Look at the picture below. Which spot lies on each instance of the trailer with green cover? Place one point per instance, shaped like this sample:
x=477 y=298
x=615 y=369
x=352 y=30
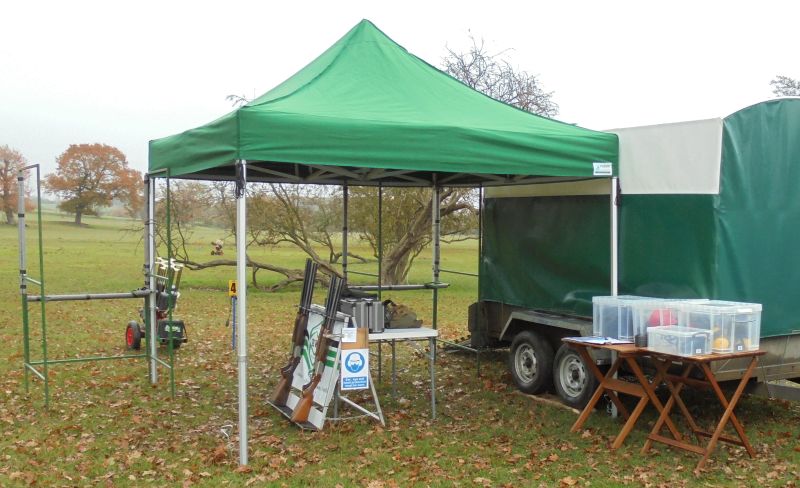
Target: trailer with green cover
x=707 y=209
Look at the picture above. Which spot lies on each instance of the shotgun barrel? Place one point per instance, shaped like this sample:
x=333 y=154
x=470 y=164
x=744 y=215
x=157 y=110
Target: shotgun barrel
x=303 y=407
x=281 y=393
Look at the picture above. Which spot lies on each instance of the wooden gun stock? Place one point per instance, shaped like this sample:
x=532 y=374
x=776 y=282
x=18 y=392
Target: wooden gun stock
x=281 y=393
x=303 y=407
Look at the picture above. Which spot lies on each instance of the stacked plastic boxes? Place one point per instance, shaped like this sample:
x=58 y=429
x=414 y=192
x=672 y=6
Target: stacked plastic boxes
x=653 y=312
x=680 y=341
x=613 y=316
x=733 y=326
x=684 y=327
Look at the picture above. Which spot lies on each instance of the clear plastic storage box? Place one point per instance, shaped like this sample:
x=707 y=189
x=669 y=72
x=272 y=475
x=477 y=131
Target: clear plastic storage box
x=613 y=317
x=653 y=312
x=734 y=326
x=680 y=341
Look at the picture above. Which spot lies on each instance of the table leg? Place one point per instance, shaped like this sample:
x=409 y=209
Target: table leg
x=664 y=411
x=598 y=393
x=628 y=427
x=380 y=362
x=729 y=407
x=589 y=361
x=394 y=372
x=432 y=358
x=675 y=392
x=649 y=388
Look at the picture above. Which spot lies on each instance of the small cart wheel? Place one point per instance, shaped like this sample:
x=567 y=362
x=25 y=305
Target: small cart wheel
x=133 y=336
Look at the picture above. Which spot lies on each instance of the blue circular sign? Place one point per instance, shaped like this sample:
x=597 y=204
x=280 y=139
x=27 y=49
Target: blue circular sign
x=354 y=362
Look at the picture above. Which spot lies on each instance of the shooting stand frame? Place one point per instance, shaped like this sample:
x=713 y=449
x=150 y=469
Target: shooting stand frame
x=148 y=292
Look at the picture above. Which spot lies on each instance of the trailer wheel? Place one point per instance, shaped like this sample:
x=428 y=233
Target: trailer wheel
x=133 y=336
x=573 y=380
x=530 y=361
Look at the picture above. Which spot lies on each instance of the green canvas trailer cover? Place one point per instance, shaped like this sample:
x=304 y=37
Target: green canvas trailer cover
x=707 y=209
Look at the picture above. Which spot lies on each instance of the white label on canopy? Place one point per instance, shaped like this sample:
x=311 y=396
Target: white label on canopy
x=602 y=168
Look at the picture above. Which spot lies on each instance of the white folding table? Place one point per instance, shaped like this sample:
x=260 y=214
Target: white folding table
x=413 y=334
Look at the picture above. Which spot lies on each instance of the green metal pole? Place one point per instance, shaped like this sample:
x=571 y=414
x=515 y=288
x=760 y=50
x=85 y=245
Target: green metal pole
x=23 y=284
x=170 y=298
x=380 y=241
x=25 y=340
x=147 y=272
x=42 y=288
x=89 y=359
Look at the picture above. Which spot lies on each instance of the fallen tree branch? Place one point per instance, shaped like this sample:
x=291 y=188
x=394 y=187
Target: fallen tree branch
x=292 y=275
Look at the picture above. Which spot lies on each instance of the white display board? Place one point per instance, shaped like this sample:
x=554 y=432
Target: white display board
x=324 y=392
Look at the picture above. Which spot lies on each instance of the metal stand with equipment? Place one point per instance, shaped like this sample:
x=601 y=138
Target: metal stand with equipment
x=159 y=293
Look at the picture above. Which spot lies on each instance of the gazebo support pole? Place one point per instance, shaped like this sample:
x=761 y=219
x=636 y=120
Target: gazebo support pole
x=344 y=231
x=241 y=303
x=436 y=219
x=614 y=257
x=150 y=257
x=380 y=249
x=480 y=239
x=614 y=235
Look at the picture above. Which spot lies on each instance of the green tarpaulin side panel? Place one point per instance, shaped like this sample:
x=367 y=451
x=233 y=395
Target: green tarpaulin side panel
x=367 y=102
x=667 y=246
x=548 y=253
x=759 y=212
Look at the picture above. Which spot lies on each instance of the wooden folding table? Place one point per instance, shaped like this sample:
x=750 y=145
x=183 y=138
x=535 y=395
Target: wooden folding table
x=675 y=383
x=624 y=354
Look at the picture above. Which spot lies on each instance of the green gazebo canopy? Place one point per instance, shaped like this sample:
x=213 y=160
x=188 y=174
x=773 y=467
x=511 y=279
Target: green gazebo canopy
x=368 y=111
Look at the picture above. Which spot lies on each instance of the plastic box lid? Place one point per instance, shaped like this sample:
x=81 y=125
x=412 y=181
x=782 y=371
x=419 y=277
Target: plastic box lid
x=721 y=306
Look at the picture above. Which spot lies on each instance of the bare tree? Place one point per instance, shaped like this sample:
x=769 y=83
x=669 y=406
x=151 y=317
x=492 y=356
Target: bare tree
x=494 y=76
x=406 y=229
x=783 y=86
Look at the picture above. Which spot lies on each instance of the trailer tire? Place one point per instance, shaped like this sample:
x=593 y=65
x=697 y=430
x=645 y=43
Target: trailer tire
x=133 y=336
x=530 y=361
x=573 y=380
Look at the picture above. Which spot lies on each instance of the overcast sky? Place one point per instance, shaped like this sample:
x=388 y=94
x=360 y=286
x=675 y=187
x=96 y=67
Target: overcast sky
x=123 y=73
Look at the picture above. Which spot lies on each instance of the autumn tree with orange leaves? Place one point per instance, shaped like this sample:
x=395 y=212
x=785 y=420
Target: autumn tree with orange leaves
x=11 y=161
x=90 y=176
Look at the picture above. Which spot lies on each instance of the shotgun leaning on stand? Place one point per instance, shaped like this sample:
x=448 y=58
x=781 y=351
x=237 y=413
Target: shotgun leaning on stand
x=281 y=393
x=303 y=407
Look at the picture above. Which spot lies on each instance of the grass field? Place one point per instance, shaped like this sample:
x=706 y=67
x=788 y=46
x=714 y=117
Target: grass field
x=107 y=426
